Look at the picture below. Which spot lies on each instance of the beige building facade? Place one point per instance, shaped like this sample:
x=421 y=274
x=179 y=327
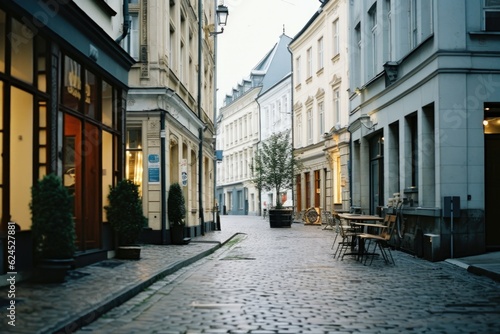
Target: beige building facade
x=320 y=110
x=170 y=110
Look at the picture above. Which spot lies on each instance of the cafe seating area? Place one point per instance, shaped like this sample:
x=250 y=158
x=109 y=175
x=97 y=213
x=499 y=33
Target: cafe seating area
x=359 y=236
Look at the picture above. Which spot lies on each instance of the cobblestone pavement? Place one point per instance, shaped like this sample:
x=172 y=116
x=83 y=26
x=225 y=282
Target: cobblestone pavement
x=286 y=281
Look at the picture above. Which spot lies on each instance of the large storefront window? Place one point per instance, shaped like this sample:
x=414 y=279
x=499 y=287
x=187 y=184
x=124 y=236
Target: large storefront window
x=134 y=156
x=21 y=52
x=89 y=151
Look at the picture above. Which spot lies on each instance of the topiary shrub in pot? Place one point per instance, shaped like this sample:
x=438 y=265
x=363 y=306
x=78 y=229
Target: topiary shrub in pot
x=52 y=228
x=124 y=214
x=176 y=210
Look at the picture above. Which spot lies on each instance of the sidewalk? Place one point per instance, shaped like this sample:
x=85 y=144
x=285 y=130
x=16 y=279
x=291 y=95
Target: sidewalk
x=93 y=290
x=487 y=264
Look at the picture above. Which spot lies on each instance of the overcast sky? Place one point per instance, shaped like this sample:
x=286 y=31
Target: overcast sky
x=253 y=28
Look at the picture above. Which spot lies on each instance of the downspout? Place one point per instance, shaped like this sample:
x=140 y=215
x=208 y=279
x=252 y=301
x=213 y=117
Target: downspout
x=293 y=130
x=163 y=180
x=200 y=130
x=215 y=207
x=349 y=168
x=259 y=126
x=126 y=22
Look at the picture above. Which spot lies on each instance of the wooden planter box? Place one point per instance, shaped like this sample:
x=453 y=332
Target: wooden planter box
x=280 y=217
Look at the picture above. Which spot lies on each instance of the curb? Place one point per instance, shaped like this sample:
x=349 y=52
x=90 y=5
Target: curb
x=86 y=317
x=484 y=272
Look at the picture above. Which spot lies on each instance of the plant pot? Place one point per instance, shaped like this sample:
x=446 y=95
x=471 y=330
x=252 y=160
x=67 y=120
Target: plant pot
x=132 y=252
x=177 y=234
x=52 y=270
x=280 y=217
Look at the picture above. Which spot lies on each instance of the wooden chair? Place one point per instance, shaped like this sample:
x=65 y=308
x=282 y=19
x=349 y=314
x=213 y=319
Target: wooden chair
x=381 y=240
x=348 y=235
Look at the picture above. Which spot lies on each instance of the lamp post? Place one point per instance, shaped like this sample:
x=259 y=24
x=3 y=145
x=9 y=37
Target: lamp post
x=222 y=13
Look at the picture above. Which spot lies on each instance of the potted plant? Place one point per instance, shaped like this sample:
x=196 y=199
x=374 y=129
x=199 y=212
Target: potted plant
x=124 y=214
x=273 y=168
x=52 y=228
x=176 y=210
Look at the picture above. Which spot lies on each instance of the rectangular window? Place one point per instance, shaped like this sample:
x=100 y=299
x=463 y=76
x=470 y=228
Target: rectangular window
x=492 y=15
x=299 y=135
x=336 y=106
x=72 y=87
x=309 y=62
x=373 y=23
x=336 y=38
x=321 y=119
x=132 y=39
x=413 y=24
x=21 y=52
x=309 y=126
x=320 y=53
x=298 y=72
x=134 y=156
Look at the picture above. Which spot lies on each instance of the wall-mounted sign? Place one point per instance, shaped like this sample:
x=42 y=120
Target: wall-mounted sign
x=153 y=169
x=184 y=173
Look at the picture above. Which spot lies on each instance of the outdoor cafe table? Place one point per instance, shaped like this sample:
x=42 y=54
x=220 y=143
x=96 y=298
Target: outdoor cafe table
x=363 y=221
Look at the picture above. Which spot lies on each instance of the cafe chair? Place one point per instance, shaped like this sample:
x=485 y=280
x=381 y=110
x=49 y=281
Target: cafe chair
x=380 y=240
x=348 y=241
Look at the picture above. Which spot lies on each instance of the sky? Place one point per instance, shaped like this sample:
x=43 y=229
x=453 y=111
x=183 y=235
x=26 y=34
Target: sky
x=253 y=28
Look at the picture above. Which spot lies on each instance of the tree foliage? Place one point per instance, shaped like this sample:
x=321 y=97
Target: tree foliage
x=124 y=212
x=176 y=207
x=52 y=227
x=274 y=165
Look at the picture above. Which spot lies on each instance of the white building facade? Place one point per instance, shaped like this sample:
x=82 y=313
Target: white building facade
x=239 y=129
x=320 y=110
x=425 y=93
x=276 y=117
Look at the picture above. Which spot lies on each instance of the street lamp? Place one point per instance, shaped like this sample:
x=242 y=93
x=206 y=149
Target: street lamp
x=222 y=13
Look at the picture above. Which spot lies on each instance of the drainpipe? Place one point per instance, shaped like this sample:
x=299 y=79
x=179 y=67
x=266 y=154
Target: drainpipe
x=163 y=180
x=200 y=130
x=291 y=124
x=349 y=168
x=259 y=126
x=126 y=22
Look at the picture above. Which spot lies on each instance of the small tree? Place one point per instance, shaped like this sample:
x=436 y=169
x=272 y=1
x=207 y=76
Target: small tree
x=176 y=207
x=274 y=165
x=124 y=212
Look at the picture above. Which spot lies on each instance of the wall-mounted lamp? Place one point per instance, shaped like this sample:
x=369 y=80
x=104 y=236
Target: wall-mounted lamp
x=357 y=91
x=222 y=13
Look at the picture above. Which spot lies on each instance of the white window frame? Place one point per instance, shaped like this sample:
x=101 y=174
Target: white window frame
x=131 y=43
x=321 y=119
x=320 y=53
x=309 y=63
x=336 y=38
x=309 y=126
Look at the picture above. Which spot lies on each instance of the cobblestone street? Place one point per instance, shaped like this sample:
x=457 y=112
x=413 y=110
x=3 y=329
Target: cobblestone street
x=286 y=281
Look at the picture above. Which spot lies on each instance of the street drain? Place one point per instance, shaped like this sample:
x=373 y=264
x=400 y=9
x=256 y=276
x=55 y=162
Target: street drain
x=214 y=305
x=232 y=258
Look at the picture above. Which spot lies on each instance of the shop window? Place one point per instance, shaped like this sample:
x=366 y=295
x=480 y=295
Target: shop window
x=41 y=63
x=90 y=95
x=21 y=52
x=71 y=91
x=107 y=104
x=21 y=168
x=134 y=156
